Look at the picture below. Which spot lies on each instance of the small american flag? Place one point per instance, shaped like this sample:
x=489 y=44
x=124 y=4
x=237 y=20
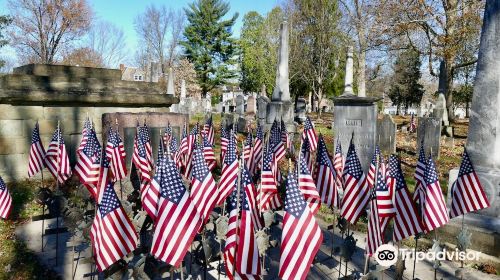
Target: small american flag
x=308 y=187
x=435 y=211
x=89 y=162
x=268 y=194
x=204 y=191
x=467 y=194
x=224 y=139
x=191 y=141
x=113 y=235
x=175 y=153
x=37 y=153
x=277 y=143
x=306 y=152
x=5 y=200
x=167 y=135
x=183 y=148
x=257 y=152
x=142 y=156
x=229 y=174
x=324 y=176
x=297 y=250
x=370 y=177
x=208 y=130
x=115 y=152
x=406 y=221
x=150 y=193
x=178 y=220
x=338 y=165
x=357 y=191
x=385 y=194
x=209 y=154
x=310 y=132
x=374 y=235
x=413 y=124
x=419 y=193
x=285 y=138
x=56 y=158
x=87 y=125
x=247 y=150
x=247 y=257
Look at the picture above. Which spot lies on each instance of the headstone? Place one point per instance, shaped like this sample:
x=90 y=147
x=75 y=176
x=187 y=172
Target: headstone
x=429 y=128
x=183 y=89
x=358 y=115
x=240 y=105
x=170 y=85
x=483 y=139
x=262 y=102
x=309 y=103
x=282 y=89
x=349 y=72
x=251 y=105
x=300 y=109
x=386 y=134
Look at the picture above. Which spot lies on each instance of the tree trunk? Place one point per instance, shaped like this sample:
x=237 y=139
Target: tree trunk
x=449 y=90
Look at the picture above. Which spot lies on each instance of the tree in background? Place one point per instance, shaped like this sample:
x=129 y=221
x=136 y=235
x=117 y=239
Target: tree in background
x=184 y=70
x=4 y=22
x=208 y=43
x=42 y=28
x=84 y=56
x=108 y=41
x=406 y=89
x=159 y=31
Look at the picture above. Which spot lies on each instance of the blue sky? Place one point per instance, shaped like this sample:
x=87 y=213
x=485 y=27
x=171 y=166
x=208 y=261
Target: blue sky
x=123 y=12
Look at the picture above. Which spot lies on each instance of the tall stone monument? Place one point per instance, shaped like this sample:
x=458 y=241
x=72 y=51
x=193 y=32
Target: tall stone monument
x=483 y=140
x=358 y=115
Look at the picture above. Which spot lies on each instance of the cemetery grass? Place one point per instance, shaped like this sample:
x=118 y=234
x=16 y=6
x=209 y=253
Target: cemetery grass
x=16 y=260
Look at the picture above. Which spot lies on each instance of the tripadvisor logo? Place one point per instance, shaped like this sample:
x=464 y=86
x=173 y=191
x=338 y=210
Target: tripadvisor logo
x=387 y=255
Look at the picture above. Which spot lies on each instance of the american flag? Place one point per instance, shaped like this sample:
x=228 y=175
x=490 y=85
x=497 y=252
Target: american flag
x=115 y=152
x=370 y=177
x=467 y=194
x=356 y=189
x=89 y=162
x=113 y=235
x=419 y=193
x=229 y=174
x=175 y=153
x=37 y=153
x=208 y=129
x=224 y=139
x=301 y=236
x=5 y=200
x=150 y=193
x=247 y=257
x=142 y=156
x=257 y=152
x=191 y=141
x=167 y=135
x=306 y=152
x=87 y=125
x=413 y=124
x=310 y=132
x=204 y=191
x=385 y=194
x=247 y=150
x=338 y=165
x=209 y=154
x=285 y=138
x=277 y=143
x=183 y=148
x=435 y=211
x=56 y=158
x=374 y=235
x=268 y=194
x=178 y=220
x=324 y=176
x=406 y=221
x=308 y=187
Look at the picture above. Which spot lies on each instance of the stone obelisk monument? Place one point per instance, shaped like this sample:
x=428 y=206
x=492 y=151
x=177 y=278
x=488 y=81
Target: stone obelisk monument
x=483 y=140
x=355 y=114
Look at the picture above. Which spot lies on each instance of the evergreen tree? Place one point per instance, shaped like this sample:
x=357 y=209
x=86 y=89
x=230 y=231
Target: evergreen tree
x=4 y=21
x=208 y=43
x=405 y=89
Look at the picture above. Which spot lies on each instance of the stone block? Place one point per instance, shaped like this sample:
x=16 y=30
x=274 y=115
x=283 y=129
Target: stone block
x=386 y=134
x=68 y=71
x=10 y=112
x=429 y=129
x=12 y=128
x=14 y=145
x=66 y=113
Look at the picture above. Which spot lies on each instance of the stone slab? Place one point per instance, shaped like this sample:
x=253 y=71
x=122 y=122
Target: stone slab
x=65 y=70
x=10 y=112
x=429 y=128
x=11 y=128
x=386 y=134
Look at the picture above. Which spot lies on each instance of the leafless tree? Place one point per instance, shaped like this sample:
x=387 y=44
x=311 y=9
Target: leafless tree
x=40 y=28
x=108 y=40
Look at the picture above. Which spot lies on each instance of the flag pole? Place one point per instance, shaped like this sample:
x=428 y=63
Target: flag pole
x=59 y=135
x=238 y=189
x=367 y=257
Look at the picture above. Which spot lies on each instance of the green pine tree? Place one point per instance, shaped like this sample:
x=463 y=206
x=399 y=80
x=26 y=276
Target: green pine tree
x=4 y=21
x=208 y=43
x=405 y=89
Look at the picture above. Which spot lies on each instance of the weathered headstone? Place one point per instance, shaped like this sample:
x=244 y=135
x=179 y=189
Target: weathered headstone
x=300 y=109
x=170 y=84
x=429 y=128
x=240 y=105
x=262 y=102
x=251 y=105
x=358 y=115
x=282 y=89
x=386 y=134
x=483 y=139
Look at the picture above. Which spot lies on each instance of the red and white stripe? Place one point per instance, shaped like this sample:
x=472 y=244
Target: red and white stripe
x=56 y=158
x=308 y=187
x=37 y=154
x=5 y=200
x=374 y=235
